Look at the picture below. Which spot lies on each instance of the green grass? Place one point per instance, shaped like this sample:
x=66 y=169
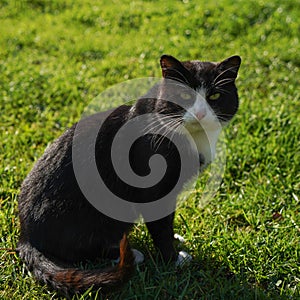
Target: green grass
x=56 y=56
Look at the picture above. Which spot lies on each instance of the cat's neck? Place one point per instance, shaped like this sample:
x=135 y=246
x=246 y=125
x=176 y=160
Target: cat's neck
x=206 y=142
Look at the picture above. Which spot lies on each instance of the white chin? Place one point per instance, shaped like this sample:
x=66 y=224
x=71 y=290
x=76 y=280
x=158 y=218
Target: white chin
x=193 y=126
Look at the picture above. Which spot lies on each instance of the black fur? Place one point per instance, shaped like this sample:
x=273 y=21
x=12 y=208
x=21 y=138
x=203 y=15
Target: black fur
x=59 y=227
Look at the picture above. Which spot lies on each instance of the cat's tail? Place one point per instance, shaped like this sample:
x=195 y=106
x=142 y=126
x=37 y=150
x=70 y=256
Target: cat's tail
x=69 y=281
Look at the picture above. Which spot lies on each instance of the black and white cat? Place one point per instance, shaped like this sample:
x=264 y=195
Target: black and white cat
x=59 y=226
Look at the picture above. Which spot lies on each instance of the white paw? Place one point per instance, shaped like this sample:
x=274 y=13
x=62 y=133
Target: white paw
x=179 y=238
x=116 y=261
x=138 y=256
x=183 y=258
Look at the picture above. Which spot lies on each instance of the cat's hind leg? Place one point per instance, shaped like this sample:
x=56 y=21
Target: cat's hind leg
x=138 y=257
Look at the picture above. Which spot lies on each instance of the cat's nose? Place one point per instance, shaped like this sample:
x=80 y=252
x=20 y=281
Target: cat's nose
x=200 y=114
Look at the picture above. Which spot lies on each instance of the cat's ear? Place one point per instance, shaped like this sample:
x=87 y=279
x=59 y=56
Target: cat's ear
x=172 y=68
x=230 y=66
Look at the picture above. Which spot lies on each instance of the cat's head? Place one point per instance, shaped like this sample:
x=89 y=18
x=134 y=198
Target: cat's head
x=201 y=92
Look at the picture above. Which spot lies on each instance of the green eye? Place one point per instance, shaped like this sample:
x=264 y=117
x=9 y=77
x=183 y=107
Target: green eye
x=185 y=96
x=214 y=96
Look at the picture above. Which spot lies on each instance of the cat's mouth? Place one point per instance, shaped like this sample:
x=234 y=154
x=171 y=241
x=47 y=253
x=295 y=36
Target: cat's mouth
x=192 y=122
x=201 y=121
x=193 y=126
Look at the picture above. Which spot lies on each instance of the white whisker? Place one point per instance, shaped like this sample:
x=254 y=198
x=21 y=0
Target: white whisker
x=171 y=127
x=224 y=81
x=178 y=79
x=227 y=70
x=159 y=121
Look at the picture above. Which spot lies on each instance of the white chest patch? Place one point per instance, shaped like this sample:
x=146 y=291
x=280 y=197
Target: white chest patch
x=204 y=127
x=206 y=142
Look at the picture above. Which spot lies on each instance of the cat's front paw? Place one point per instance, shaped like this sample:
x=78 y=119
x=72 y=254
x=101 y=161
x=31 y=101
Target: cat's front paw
x=179 y=238
x=183 y=258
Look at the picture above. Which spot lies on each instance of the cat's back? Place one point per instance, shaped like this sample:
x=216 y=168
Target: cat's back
x=51 y=185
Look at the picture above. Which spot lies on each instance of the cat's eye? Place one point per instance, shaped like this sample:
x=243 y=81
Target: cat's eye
x=185 y=96
x=214 y=96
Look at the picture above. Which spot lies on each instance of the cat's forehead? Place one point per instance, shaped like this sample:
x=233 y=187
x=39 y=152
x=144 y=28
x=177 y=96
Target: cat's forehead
x=199 y=66
x=202 y=72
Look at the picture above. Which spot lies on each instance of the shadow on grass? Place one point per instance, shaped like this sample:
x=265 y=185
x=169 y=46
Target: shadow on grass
x=201 y=279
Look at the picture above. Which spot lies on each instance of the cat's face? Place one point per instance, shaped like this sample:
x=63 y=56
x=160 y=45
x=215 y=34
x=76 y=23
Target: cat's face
x=204 y=91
